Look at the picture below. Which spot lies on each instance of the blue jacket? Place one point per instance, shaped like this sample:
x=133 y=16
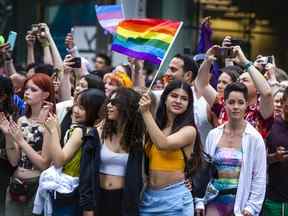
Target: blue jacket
x=89 y=185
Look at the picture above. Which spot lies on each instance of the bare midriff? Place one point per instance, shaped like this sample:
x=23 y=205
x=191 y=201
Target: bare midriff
x=110 y=182
x=23 y=173
x=160 y=179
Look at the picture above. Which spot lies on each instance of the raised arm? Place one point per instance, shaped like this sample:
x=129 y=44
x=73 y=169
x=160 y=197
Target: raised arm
x=262 y=86
x=71 y=47
x=65 y=84
x=30 y=41
x=61 y=156
x=185 y=136
x=137 y=73
x=6 y=54
x=42 y=37
x=57 y=60
x=202 y=79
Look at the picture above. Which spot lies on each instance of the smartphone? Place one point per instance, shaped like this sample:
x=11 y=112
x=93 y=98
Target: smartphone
x=271 y=59
x=12 y=39
x=236 y=42
x=77 y=62
x=224 y=52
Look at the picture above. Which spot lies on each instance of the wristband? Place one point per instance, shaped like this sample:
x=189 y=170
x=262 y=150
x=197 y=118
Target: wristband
x=45 y=44
x=248 y=65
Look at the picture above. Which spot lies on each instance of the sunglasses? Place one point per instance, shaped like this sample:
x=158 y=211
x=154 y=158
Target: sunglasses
x=114 y=101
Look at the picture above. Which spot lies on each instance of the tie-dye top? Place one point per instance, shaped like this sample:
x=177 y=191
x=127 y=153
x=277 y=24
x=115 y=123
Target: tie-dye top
x=228 y=163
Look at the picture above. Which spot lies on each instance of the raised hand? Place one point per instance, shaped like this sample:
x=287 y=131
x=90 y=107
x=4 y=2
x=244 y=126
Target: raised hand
x=68 y=63
x=226 y=41
x=44 y=112
x=240 y=57
x=212 y=52
x=4 y=123
x=30 y=39
x=16 y=133
x=5 y=51
x=69 y=41
x=43 y=33
x=51 y=123
x=206 y=21
x=145 y=103
x=270 y=73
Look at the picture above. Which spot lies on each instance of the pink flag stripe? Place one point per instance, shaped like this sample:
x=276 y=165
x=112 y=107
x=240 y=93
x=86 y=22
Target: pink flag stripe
x=111 y=29
x=110 y=15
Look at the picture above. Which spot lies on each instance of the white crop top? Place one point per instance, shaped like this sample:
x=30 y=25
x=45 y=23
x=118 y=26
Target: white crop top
x=112 y=163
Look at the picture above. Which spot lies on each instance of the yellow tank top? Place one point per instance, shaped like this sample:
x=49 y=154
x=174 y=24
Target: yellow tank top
x=72 y=168
x=165 y=160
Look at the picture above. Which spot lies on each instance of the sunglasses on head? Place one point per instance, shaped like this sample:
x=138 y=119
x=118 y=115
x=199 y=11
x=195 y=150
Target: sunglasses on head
x=114 y=101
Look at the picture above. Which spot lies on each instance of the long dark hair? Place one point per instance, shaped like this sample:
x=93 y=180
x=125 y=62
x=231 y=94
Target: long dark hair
x=131 y=120
x=184 y=119
x=6 y=92
x=92 y=101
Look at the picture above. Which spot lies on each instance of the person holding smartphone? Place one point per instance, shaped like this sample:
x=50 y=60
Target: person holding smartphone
x=276 y=202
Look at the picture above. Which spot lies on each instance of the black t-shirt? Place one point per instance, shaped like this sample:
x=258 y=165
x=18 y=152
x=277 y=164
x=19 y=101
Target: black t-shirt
x=277 y=189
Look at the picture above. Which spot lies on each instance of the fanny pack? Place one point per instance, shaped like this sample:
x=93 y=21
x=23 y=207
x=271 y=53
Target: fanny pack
x=22 y=190
x=62 y=199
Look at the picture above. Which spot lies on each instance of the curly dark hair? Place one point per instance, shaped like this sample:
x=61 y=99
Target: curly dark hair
x=184 y=119
x=130 y=120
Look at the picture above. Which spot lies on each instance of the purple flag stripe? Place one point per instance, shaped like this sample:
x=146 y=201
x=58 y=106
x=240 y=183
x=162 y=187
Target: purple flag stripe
x=139 y=55
x=111 y=29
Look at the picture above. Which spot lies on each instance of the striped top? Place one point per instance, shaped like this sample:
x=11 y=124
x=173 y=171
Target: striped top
x=228 y=162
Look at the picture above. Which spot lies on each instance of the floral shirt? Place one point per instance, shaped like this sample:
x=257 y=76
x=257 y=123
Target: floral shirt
x=252 y=115
x=33 y=135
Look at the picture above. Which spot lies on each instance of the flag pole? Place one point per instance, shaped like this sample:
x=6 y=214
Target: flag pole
x=122 y=8
x=164 y=58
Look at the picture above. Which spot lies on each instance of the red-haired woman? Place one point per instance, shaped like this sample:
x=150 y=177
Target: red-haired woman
x=30 y=146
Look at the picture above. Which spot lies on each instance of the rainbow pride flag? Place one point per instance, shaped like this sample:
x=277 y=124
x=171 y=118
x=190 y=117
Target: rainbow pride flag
x=109 y=16
x=146 y=39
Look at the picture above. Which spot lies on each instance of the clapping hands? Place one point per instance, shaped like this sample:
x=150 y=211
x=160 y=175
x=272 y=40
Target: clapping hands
x=10 y=128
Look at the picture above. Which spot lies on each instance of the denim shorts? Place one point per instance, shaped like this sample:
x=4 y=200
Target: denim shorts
x=172 y=200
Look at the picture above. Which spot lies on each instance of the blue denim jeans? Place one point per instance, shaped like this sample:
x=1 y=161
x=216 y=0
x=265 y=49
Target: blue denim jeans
x=173 y=200
x=65 y=209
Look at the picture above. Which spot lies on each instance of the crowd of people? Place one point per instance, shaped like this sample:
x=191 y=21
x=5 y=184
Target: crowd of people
x=77 y=139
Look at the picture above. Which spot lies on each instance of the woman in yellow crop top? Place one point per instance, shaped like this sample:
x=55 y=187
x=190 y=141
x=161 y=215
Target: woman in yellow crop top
x=172 y=134
x=85 y=115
